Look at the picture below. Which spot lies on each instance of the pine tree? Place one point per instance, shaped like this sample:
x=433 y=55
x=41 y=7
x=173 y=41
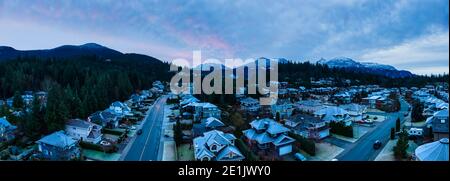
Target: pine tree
x=397 y=125
x=17 y=100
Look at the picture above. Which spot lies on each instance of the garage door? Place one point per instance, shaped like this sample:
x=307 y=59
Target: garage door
x=324 y=134
x=285 y=150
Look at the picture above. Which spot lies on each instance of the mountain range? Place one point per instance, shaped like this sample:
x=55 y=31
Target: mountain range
x=69 y=51
x=365 y=67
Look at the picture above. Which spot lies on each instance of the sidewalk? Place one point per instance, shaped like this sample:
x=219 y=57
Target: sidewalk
x=168 y=148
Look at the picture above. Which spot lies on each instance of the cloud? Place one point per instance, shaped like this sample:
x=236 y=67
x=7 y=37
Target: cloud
x=433 y=47
x=299 y=30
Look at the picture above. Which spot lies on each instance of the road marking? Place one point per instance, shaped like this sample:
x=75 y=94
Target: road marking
x=148 y=136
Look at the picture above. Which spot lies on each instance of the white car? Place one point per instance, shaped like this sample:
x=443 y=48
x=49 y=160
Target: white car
x=105 y=143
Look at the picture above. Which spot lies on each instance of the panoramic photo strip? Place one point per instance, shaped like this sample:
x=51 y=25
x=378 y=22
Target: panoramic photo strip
x=295 y=81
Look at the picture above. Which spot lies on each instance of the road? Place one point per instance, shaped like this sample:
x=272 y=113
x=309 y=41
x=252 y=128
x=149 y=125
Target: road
x=146 y=146
x=362 y=150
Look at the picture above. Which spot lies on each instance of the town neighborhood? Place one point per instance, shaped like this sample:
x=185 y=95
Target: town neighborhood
x=322 y=123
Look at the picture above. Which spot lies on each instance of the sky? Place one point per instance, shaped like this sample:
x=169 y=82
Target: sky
x=408 y=34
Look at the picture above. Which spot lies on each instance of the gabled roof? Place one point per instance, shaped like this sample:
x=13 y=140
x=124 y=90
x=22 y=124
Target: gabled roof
x=331 y=110
x=249 y=100
x=230 y=149
x=213 y=122
x=282 y=140
x=58 y=139
x=353 y=107
x=79 y=123
x=435 y=151
x=202 y=143
x=217 y=137
x=442 y=113
x=5 y=123
x=269 y=125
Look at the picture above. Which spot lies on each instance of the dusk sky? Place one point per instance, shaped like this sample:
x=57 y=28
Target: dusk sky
x=408 y=34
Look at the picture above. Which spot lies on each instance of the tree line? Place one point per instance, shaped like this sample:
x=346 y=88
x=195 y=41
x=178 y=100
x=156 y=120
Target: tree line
x=76 y=87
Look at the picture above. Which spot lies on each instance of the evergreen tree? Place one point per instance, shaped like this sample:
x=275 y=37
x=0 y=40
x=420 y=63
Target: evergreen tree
x=17 y=100
x=397 y=125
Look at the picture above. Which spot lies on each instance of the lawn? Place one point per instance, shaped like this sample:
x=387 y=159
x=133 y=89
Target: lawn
x=184 y=153
x=100 y=156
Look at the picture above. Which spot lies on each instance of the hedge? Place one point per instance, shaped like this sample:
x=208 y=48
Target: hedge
x=305 y=144
x=91 y=146
x=249 y=155
x=341 y=129
x=113 y=132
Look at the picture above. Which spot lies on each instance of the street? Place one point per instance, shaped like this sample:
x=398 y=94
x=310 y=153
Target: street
x=362 y=150
x=146 y=146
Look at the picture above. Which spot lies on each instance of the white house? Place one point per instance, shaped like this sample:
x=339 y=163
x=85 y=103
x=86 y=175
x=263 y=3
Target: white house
x=205 y=110
x=267 y=134
x=84 y=130
x=250 y=104
x=334 y=114
x=216 y=145
x=120 y=109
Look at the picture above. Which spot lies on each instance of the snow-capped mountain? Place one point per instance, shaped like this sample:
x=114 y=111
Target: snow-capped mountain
x=367 y=67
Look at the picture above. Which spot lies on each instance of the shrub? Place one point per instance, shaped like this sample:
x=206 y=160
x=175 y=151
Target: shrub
x=341 y=129
x=87 y=145
x=113 y=132
x=249 y=155
x=402 y=145
x=305 y=144
x=392 y=133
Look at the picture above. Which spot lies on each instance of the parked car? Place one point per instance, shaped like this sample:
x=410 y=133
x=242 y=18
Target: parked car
x=300 y=157
x=377 y=144
x=139 y=132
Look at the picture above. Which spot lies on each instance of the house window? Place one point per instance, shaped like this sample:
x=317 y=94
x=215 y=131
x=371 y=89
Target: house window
x=213 y=147
x=443 y=121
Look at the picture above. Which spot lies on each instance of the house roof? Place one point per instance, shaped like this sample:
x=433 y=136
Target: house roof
x=269 y=125
x=353 y=107
x=441 y=113
x=79 y=123
x=213 y=122
x=230 y=149
x=249 y=100
x=5 y=123
x=209 y=138
x=331 y=110
x=302 y=120
x=282 y=140
x=58 y=139
x=435 y=151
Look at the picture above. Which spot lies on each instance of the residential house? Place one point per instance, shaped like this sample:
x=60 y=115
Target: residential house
x=309 y=106
x=355 y=111
x=342 y=98
x=207 y=124
x=434 y=151
x=205 y=110
x=270 y=136
x=104 y=118
x=439 y=124
x=283 y=107
x=308 y=126
x=84 y=130
x=334 y=114
x=58 y=146
x=120 y=109
x=216 y=145
x=250 y=105
x=6 y=130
